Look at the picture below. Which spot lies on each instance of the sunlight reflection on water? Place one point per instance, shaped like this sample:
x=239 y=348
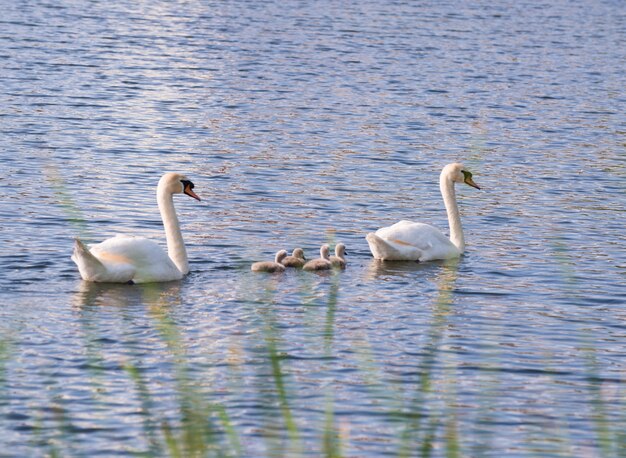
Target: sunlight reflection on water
x=305 y=124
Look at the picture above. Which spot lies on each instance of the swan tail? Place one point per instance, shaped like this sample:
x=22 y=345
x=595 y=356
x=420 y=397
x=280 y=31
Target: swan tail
x=89 y=266
x=386 y=251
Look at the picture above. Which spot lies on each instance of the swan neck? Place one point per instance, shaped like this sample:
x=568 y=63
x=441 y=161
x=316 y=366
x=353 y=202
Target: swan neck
x=324 y=254
x=175 y=244
x=454 y=217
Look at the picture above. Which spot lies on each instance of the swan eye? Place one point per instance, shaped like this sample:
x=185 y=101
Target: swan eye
x=188 y=189
x=468 y=179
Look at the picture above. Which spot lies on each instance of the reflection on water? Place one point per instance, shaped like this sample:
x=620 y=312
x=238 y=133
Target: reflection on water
x=303 y=124
x=435 y=386
x=121 y=295
x=398 y=269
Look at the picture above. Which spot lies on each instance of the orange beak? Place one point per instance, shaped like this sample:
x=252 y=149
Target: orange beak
x=189 y=192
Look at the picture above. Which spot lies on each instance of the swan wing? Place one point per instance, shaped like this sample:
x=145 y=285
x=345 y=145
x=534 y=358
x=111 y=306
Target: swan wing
x=92 y=268
x=409 y=238
x=392 y=250
x=148 y=260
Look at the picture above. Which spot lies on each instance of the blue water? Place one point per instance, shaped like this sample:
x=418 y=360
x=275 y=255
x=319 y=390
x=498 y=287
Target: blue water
x=302 y=123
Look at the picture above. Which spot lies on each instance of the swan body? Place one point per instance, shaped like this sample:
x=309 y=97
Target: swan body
x=127 y=259
x=269 y=266
x=339 y=260
x=410 y=241
x=321 y=263
x=296 y=259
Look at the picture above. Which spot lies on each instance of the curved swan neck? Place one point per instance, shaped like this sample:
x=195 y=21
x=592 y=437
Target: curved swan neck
x=340 y=252
x=324 y=252
x=454 y=218
x=175 y=244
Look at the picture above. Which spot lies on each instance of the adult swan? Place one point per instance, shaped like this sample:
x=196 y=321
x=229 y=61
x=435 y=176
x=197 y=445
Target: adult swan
x=409 y=241
x=125 y=259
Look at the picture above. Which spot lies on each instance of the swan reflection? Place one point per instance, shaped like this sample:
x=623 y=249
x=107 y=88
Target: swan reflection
x=91 y=294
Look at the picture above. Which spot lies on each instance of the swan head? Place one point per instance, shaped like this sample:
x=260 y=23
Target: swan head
x=175 y=183
x=282 y=254
x=340 y=250
x=458 y=174
x=298 y=253
x=325 y=252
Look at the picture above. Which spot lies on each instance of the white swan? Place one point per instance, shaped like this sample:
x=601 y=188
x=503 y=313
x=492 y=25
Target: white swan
x=339 y=260
x=269 y=266
x=409 y=241
x=321 y=263
x=126 y=259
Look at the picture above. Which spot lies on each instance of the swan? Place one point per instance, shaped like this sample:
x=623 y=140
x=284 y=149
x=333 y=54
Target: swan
x=271 y=266
x=409 y=241
x=322 y=263
x=296 y=259
x=339 y=260
x=126 y=259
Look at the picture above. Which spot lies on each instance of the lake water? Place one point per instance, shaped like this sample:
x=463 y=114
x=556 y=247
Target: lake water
x=302 y=123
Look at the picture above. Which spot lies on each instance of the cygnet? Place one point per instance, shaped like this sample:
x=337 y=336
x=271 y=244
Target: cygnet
x=269 y=266
x=339 y=260
x=296 y=259
x=322 y=263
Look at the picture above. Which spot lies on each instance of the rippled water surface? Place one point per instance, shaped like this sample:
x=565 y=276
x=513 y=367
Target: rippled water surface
x=302 y=123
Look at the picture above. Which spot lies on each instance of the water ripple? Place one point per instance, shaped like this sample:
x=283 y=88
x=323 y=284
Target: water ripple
x=302 y=124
